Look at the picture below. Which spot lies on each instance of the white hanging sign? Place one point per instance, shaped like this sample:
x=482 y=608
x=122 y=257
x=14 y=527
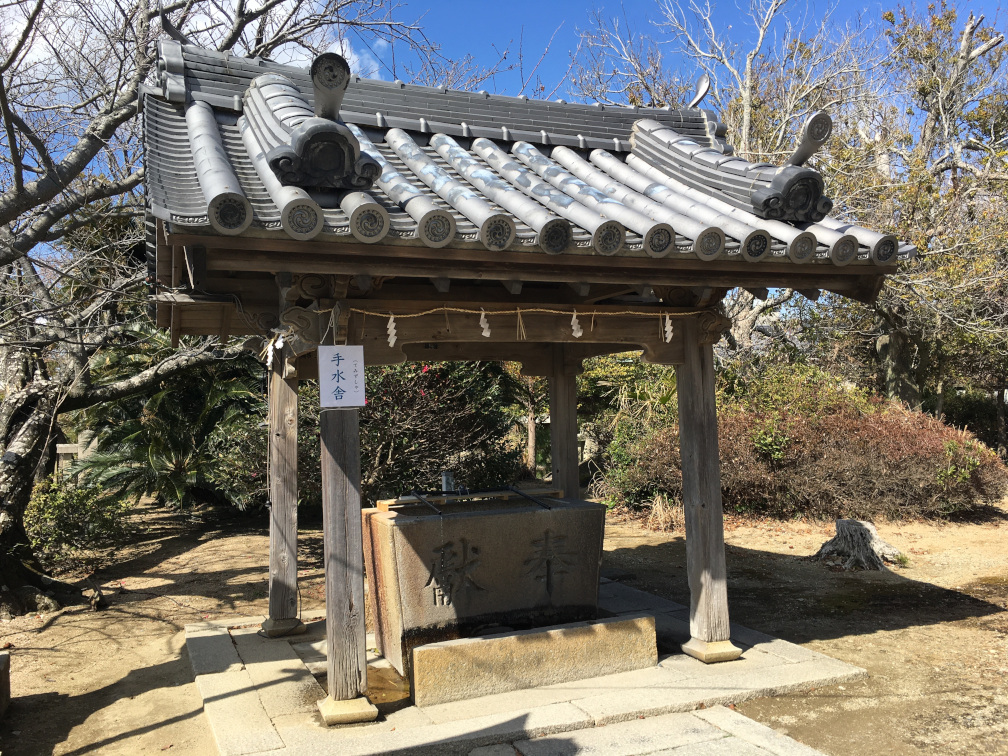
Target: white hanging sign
x=341 y=376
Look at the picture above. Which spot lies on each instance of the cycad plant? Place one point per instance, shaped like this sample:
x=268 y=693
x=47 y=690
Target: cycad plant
x=163 y=445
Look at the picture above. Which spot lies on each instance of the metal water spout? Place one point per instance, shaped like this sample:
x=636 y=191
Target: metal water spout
x=330 y=75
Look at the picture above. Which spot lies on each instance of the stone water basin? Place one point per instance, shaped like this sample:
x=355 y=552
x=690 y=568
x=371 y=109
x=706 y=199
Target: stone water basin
x=479 y=566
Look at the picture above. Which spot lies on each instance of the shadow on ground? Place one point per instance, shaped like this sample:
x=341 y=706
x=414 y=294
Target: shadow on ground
x=786 y=596
x=798 y=600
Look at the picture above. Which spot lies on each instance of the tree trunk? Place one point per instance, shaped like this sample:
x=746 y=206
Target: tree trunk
x=899 y=380
x=940 y=401
x=530 y=427
x=857 y=544
x=27 y=430
x=999 y=401
x=25 y=422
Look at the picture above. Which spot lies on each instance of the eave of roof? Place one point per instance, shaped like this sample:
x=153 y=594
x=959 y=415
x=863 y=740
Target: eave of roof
x=461 y=171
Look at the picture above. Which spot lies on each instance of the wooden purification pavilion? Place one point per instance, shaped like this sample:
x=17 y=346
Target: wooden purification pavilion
x=309 y=206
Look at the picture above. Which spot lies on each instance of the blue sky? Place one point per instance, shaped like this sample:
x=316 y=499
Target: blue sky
x=483 y=29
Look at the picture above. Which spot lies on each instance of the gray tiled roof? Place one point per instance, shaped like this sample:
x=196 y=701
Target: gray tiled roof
x=246 y=146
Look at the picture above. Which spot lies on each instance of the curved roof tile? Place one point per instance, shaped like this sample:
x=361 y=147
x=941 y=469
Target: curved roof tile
x=228 y=137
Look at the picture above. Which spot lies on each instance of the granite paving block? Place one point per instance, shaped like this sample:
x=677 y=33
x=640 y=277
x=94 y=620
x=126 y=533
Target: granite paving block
x=285 y=684
x=679 y=696
x=515 y=702
x=310 y=651
x=743 y=728
x=687 y=694
x=784 y=678
x=672 y=629
x=471 y=667
x=237 y=718
x=617 y=599
x=752 y=658
x=210 y=648
x=723 y=747
x=624 y=684
x=640 y=736
x=747 y=636
x=501 y=749
x=462 y=737
x=791 y=652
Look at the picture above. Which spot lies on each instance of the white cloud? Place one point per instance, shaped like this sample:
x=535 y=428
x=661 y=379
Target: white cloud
x=362 y=60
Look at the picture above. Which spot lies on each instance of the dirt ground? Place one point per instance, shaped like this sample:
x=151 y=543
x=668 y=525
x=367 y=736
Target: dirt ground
x=932 y=635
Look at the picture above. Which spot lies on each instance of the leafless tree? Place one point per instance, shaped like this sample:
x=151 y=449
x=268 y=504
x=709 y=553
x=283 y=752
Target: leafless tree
x=763 y=89
x=71 y=230
x=616 y=64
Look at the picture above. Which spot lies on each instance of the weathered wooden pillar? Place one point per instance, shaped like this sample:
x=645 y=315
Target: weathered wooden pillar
x=710 y=631
x=563 y=423
x=283 y=428
x=344 y=570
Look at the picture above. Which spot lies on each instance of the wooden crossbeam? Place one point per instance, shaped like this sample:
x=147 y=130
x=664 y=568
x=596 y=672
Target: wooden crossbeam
x=625 y=328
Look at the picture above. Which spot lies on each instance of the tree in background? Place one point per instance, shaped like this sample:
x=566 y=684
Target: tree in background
x=918 y=148
x=767 y=75
x=945 y=312
x=932 y=148
x=70 y=76
x=531 y=402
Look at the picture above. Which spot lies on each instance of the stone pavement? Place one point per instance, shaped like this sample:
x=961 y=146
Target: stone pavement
x=259 y=696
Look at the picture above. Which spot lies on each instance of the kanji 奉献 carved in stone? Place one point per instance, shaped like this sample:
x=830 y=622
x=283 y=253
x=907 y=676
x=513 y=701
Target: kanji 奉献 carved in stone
x=452 y=571
x=549 y=559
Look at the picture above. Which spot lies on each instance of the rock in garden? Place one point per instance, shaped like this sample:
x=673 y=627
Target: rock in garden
x=35 y=600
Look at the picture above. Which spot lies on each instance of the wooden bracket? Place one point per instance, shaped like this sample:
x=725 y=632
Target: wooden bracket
x=713 y=325
x=810 y=294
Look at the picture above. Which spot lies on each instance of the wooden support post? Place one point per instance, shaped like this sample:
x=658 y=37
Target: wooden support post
x=344 y=570
x=701 y=469
x=283 y=427
x=563 y=424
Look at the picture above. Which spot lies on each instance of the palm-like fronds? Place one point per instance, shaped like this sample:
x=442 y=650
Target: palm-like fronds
x=160 y=445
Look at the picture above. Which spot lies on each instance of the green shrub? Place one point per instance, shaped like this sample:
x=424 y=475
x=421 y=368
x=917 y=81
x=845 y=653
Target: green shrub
x=800 y=444
x=63 y=520
x=421 y=419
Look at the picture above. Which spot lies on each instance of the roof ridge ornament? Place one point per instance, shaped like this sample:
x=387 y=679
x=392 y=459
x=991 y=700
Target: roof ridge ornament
x=330 y=74
x=306 y=147
x=790 y=192
x=814 y=133
x=702 y=88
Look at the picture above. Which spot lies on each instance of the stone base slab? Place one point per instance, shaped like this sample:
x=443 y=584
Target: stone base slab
x=347 y=712
x=471 y=667
x=581 y=711
x=276 y=628
x=710 y=652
